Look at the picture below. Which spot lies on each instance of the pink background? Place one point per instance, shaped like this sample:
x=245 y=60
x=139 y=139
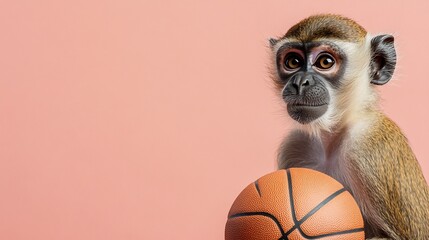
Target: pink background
x=145 y=119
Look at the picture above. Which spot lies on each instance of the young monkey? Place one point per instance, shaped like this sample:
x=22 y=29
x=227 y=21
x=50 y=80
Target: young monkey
x=326 y=67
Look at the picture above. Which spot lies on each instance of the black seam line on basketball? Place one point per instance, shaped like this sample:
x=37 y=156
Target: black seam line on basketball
x=331 y=234
x=320 y=205
x=257 y=188
x=297 y=224
x=292 y=207
x=314 y=210
x=265 y=214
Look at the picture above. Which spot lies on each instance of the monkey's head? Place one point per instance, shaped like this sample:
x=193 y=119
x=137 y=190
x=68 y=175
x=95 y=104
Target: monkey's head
x=325 y=68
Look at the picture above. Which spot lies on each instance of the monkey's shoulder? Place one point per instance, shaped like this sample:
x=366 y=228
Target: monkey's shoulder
x=386 y=167
x=384 y=141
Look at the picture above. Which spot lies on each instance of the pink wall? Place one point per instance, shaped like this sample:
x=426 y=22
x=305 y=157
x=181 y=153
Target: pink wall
x=145 y=119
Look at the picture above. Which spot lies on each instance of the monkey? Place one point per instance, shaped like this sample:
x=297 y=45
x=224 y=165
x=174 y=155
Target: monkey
x=326 y=69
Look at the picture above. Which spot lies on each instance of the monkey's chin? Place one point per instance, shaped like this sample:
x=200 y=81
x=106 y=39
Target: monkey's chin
x=305 y=114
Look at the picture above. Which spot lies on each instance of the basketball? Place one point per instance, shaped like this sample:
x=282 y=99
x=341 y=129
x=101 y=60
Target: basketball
x=296 y=203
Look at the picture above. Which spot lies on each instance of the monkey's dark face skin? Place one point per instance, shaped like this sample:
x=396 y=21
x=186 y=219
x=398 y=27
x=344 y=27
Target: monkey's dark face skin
x=307 y=71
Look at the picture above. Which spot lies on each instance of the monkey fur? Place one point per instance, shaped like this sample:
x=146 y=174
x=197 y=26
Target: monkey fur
x=326 y=68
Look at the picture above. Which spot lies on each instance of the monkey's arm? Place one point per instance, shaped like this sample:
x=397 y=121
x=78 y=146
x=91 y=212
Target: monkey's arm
x=389 y=184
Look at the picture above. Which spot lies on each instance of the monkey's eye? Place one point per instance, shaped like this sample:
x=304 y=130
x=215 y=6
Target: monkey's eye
x=324 y=62
x=293 y=61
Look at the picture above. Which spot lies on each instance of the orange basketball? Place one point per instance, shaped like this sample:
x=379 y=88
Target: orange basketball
x=296 y=203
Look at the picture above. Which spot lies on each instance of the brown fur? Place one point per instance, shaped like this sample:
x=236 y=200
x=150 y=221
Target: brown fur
x=390 y=185
x=327 y=26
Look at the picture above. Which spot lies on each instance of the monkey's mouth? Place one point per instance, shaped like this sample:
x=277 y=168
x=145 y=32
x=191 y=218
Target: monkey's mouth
x=306 y=113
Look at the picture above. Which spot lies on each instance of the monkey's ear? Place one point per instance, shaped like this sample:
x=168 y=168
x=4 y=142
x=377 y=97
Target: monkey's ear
x=273 y=42
x=383 y=59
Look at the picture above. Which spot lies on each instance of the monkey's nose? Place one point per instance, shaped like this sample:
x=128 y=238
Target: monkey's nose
x=300 y=83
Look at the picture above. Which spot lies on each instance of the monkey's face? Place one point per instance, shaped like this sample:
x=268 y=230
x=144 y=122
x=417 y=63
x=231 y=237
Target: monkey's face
x=325 y=67
x=308 y=73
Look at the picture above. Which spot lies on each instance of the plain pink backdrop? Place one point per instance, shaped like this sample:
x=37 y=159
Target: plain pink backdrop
x=145 y=119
